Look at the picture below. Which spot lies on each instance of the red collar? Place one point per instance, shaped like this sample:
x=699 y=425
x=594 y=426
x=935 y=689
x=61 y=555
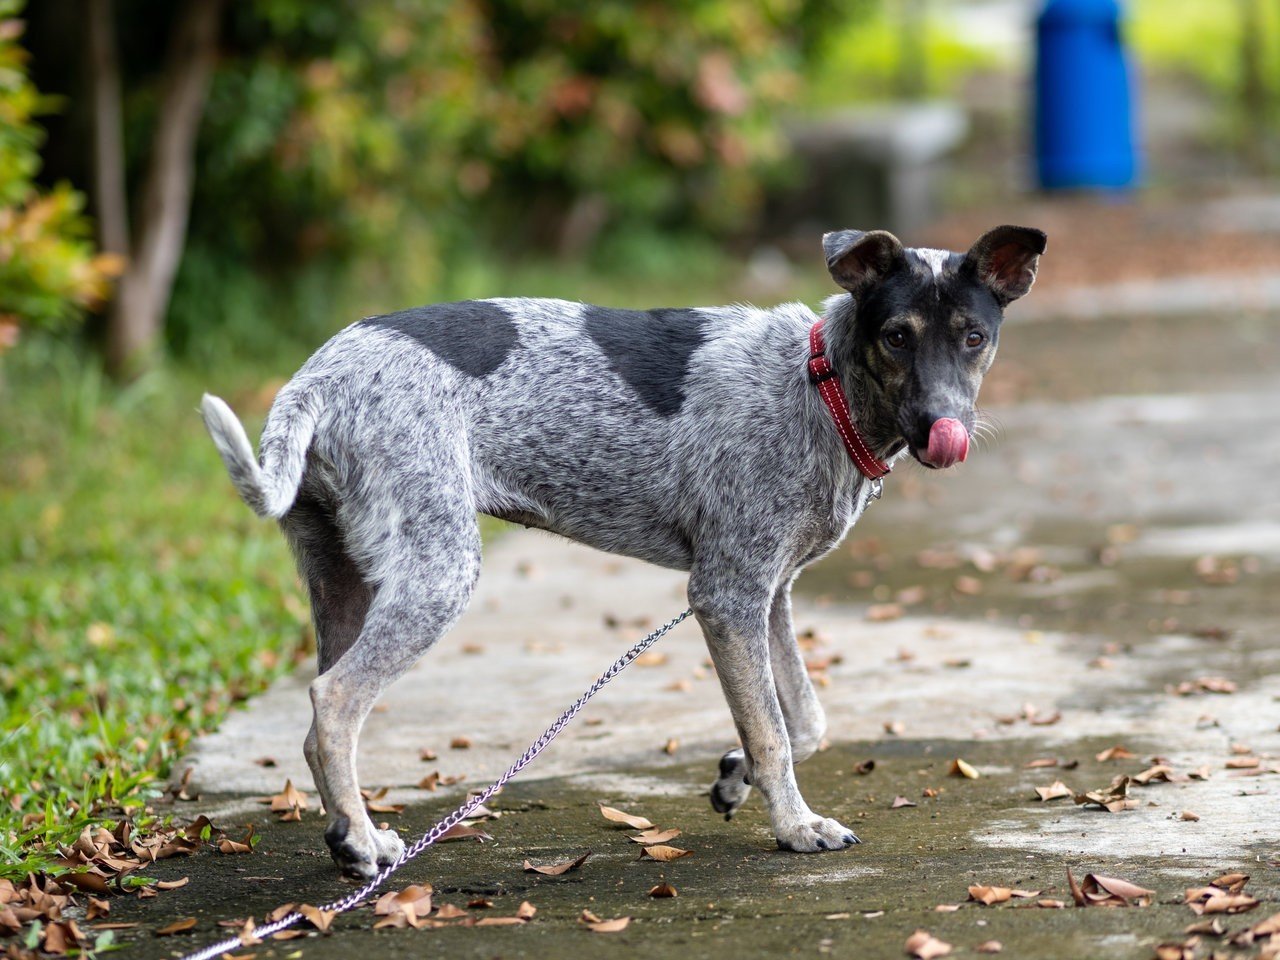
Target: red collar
x=824 y=376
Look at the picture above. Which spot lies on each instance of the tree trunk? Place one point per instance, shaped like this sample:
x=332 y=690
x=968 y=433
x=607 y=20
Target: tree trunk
x=111 y=199
x=136 y=318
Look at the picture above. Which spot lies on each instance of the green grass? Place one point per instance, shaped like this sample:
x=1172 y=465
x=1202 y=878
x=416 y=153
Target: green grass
x=139 y=599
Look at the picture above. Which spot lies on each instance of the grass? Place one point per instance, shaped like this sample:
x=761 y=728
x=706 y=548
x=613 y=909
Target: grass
x=139 y=600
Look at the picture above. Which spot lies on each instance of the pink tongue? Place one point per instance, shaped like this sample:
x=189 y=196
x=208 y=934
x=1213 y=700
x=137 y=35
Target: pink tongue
x=948 y=443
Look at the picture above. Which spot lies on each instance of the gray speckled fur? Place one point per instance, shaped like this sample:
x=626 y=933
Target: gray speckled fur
x=378 y=454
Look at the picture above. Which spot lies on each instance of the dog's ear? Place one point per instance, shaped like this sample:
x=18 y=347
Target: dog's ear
x=1005 y=261
x=859 y=260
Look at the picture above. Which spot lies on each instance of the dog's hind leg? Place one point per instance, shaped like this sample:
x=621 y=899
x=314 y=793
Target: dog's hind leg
x=340 y=596
x=428 y=550
x=806 y=724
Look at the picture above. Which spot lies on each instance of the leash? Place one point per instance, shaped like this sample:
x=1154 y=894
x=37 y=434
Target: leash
x=452 y=820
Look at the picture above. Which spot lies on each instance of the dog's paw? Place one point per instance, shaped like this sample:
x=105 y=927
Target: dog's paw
x=389 y=846
x=816 y=834
x=730 y=791
x=356 y=856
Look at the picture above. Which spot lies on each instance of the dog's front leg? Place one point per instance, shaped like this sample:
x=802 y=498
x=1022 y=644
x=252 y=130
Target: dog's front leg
x=805 y=720
x=735 y=622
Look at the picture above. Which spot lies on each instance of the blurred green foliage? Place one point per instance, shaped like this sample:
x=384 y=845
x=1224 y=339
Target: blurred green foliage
x=48 y=272
x=384 y=147
x=881 y=54
x=1202 y=40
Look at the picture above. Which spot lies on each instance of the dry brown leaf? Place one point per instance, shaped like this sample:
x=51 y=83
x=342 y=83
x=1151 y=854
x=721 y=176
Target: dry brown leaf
x=946 y=907
x=526 y=910
x=1189 y=816
x=1226 y=903
x=178 y=926
x=895 y=728
x=989 y=895
x=663 y=891
x=1176 y=951
x=863 y=768
x=501 y=922
x=1242 y=763
x=925 y=946
x=651 y=837
x=1113 y=799
x=460 y=743
x=557 y=869
x=899 y=802
x=448 y=911
x=1100 y=891
x=989 y=946
x=618 y=816
x=1231 y=882
x=1041 y=762
x=1213 y=927
x=664 y=853
x=884 y=612
x=320 y=919
x=463 y=832
x=1115 y=753
x=405 y=907
x=1054 y=791
x=962 y=768
x=597 y=925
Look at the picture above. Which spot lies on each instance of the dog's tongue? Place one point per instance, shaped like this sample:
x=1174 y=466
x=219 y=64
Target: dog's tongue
x=948 y=443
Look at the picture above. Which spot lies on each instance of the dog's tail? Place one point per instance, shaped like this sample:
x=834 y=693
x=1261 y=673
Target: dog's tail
x=269 y=485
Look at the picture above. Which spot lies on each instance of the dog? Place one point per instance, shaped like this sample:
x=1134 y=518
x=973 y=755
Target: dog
x=707 y=440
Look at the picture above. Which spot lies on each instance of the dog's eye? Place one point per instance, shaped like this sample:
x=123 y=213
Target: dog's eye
x=896 y=339
x=975 y=339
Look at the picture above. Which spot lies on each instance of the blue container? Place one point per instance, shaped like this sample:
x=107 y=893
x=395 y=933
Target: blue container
x=1083 y=111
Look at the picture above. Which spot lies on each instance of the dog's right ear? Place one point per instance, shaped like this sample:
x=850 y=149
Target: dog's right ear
x=859 y=260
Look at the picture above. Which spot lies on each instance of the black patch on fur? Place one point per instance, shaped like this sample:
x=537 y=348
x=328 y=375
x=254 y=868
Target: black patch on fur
x=473 y=336
x=649 y=349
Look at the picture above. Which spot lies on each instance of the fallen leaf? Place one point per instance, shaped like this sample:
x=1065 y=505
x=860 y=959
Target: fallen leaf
x=178 y=926
x=1054 y=791
x=1242 y=763
x=989 y=895
x=426 y=755
x=462 y=832
x=946 y=908
x=895 y=728
x=526 y=910
x=1113 y=799
x=320 y=919
x=1041 y=762
x=501 y=922
x=1212 y=927
x=664 y=853
x=651 y=837
x=448 y=911
x=865 y=767
x=1189 y=816
x=460 y=743
x=557 y=869
x=1100 y=891
x=989 y=946
x=430 y=781
x=597 y=925
x=899 y=802
x=671 y=746
x=884 y=612
x=925 y=946
x=663 y=891
x=1115 y=753
x=962 y=768
x=653 y=658
x=618 y=816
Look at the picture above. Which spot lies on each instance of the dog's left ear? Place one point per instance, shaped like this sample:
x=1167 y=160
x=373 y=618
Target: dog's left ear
x=1005 y=261
x=859 y=260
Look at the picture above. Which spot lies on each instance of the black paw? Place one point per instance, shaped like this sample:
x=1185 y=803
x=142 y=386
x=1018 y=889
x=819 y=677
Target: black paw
x=349 y=860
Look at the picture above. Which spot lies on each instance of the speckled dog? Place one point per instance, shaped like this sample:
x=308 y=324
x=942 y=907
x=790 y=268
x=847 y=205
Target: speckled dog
x=691 y=438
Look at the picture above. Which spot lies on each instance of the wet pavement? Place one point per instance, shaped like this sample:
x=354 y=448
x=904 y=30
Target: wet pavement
x=1088 y=579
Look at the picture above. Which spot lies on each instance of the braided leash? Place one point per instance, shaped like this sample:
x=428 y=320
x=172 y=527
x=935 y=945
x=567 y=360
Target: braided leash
x=453 y=819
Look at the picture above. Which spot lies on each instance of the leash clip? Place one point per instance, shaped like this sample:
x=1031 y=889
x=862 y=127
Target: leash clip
x=877 y=490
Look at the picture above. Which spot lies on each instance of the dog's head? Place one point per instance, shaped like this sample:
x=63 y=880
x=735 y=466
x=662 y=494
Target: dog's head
x=923 y=326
